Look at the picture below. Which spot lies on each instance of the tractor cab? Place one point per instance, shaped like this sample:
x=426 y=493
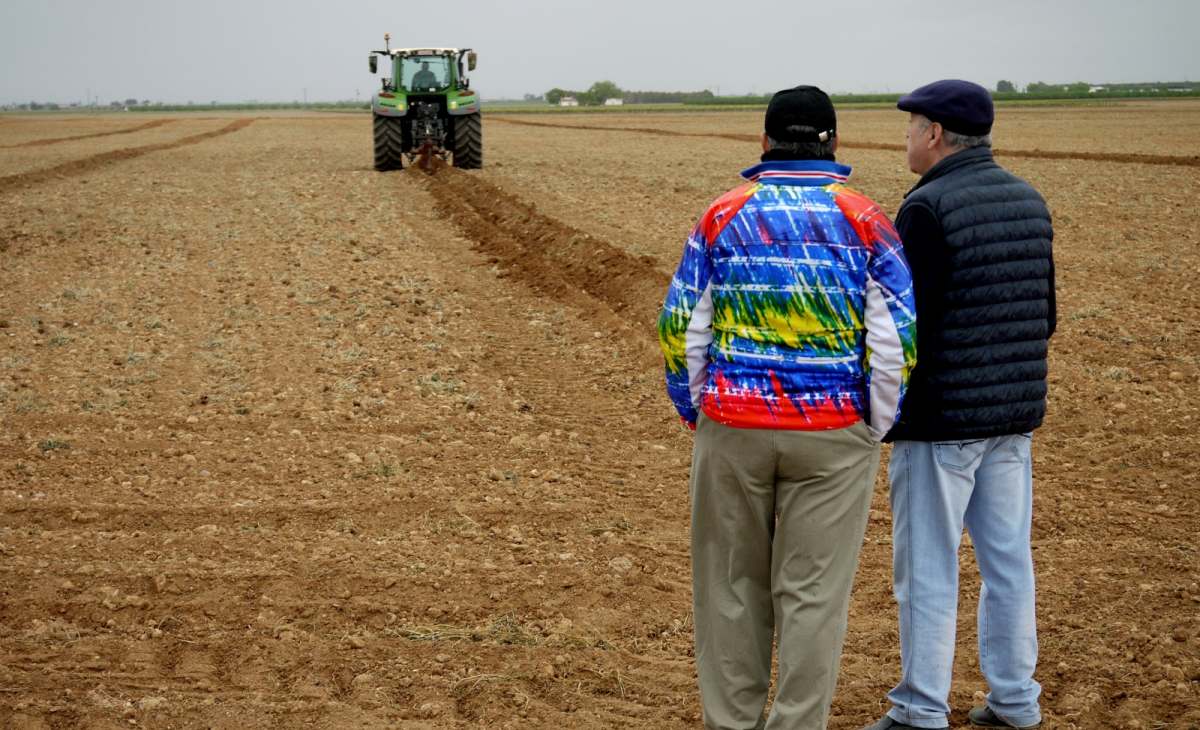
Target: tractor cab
x=425 y=73
x=426 y=70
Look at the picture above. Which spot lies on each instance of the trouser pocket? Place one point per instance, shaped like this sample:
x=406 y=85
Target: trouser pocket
x=959 y=455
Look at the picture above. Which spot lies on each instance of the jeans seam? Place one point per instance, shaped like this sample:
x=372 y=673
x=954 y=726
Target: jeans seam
x=983 y=645
x=909 y=550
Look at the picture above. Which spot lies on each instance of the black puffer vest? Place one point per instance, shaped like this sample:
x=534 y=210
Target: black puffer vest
x=981 y=369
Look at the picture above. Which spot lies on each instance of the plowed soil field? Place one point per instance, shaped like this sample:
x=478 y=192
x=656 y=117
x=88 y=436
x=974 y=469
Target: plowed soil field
x=286 y=442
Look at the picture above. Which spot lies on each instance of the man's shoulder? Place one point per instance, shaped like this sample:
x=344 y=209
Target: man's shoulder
x=916 y=204
x=865 y=216
x=990 y=183
x=736 y=196
x=854 y=204
x=722 y=210
x=1016 y=179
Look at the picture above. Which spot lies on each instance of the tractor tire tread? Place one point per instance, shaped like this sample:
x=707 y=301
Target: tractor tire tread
x=389 y=143
x=468 y=142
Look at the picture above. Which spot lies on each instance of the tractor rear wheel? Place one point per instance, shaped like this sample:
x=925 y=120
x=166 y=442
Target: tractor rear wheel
x=389 y=143
x=468 y=142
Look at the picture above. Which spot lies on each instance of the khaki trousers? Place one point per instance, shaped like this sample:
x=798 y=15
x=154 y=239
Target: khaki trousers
x=777 y=523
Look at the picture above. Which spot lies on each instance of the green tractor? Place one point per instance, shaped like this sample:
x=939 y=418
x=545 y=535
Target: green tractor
x=426 y=108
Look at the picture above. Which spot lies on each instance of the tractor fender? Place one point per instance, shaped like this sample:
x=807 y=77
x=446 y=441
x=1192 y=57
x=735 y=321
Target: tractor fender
x=471 y=107
x=385 y=110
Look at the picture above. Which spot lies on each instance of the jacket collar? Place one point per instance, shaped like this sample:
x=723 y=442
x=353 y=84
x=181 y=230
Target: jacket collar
x=797 y=172
x=950 y=163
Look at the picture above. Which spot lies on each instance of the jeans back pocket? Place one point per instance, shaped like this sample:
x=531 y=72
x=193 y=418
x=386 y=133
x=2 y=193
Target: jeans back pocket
x=959 y=455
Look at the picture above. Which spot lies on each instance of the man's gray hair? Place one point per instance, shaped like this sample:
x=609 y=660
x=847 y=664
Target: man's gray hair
x=960 y=141
x=966 y=141
x=804 y=150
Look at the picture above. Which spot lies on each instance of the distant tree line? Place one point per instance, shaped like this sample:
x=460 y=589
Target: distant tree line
x=602 y=91
x=1005 y=90
x=1008 y=91
x=595 y=95
x=251 y=105
x=669 y=97
x=145 y=105
x=54 y=106
x=761 y=100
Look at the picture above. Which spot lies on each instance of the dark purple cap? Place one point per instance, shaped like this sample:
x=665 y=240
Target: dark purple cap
x=791 y=110
x=959 y=106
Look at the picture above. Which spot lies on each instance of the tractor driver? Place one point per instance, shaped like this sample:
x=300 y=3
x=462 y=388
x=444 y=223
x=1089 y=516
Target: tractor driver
x=424 y=79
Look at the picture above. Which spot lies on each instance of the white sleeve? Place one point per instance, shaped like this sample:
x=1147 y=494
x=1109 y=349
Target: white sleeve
x=698 y=338
x=885 y=361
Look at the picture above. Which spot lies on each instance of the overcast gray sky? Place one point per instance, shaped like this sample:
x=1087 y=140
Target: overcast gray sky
x=275 y=50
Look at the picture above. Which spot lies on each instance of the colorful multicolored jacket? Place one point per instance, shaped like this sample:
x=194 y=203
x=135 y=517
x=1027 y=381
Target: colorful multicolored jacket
x=792 y=307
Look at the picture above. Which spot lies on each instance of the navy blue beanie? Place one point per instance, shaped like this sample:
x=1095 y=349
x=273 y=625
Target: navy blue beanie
x=959 y=106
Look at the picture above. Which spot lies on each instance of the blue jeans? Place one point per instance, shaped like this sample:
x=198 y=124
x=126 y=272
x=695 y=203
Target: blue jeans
x=937 y=488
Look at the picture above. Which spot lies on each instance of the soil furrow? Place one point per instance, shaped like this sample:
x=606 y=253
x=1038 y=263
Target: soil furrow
x=555 y=259
x=87 y=164
x=1128 y=158
x=58 y=140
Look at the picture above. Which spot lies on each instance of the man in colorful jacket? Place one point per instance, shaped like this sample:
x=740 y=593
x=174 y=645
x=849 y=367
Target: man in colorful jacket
x=788 y=332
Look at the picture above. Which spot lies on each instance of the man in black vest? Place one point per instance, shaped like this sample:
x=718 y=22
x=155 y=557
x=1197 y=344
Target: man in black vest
x=978 y=241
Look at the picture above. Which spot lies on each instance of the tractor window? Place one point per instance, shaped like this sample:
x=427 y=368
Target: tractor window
x=426 y=73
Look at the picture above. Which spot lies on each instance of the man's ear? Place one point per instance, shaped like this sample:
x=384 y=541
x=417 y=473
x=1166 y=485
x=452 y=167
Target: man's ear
x=835 y=144
x=766 y=142
x=935 y=135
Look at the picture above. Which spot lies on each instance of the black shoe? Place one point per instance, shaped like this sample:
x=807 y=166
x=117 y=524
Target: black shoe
x=983 y=716
x=887 y=723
